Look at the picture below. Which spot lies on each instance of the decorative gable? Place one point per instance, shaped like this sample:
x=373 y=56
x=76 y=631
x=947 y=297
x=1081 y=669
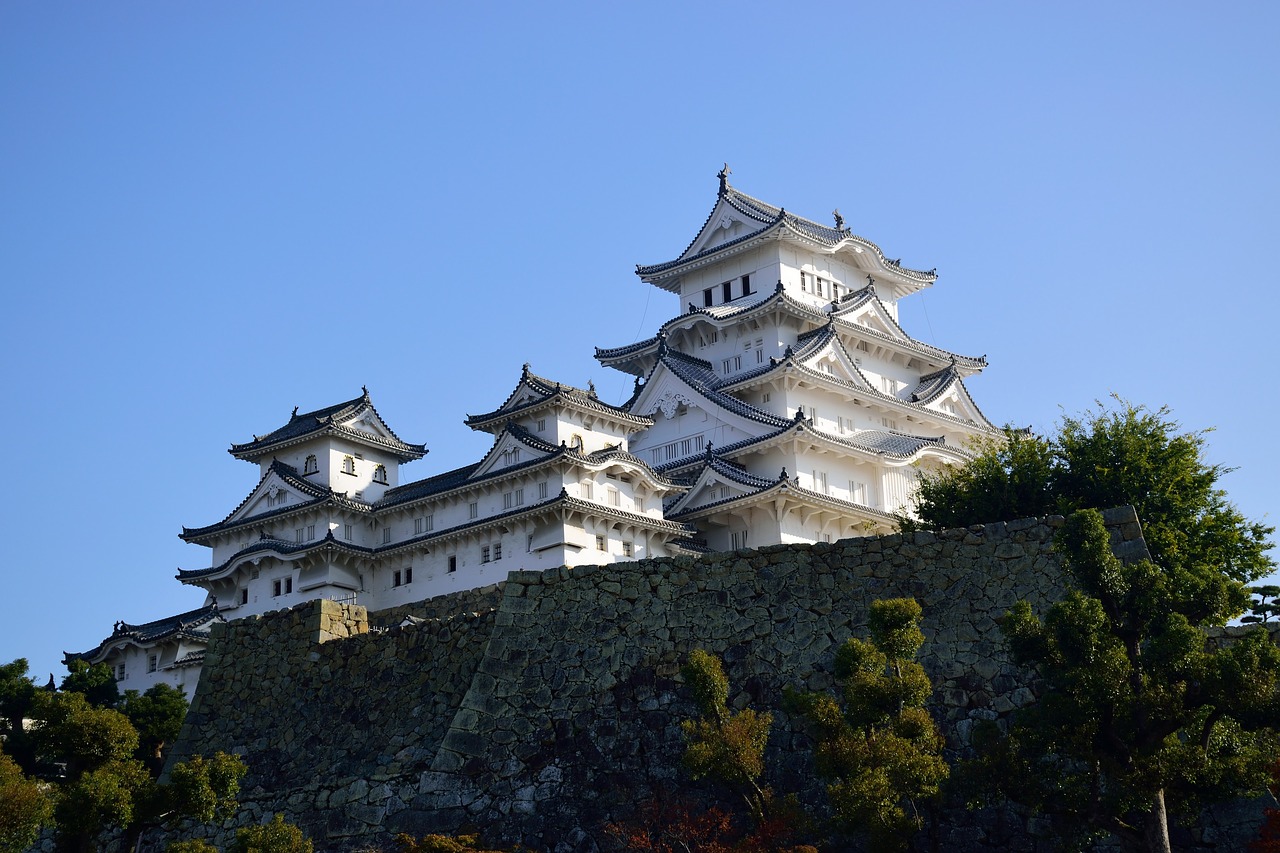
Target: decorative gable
x=509 y=450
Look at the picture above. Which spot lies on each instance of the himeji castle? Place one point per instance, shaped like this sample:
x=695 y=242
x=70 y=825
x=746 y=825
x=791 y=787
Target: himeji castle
x=785 y=403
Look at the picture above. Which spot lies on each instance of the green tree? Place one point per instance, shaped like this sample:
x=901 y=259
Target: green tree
x=879 y=750
x=278 y=836
x=1141 y=715
x=24 y=807
x=157 y=715
x=1265 y=606
x=17 y=693
x=96 y=682
x=721 y=744
x=1108 y=457
x=101 y=785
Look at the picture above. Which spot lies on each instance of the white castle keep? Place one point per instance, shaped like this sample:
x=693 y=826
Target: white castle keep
x=785 y=403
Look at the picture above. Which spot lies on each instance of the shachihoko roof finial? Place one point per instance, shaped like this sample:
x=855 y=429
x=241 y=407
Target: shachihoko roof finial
x=364 y=389
x=839 y=219
x=295 y=412
x=724 y=178
x=591 y=387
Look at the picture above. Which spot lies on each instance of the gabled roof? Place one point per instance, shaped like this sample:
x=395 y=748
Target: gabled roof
x=279 y=546
x=939 y=383
x=534 y=392
x=760 y=218
x=194 y=625
x=550 y=454
x=698 y=374
x=873 y=442
x=332 y=420
x=790 y=487
x=625 y=357
x=288 y=475
x=714 y=467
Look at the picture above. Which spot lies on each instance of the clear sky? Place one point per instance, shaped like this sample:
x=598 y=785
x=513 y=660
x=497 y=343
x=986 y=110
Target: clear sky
x=213 y=212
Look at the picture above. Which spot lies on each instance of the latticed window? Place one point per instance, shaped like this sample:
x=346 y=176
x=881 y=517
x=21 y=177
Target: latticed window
x=311 y=466
x=380 y=474
x=348 y=464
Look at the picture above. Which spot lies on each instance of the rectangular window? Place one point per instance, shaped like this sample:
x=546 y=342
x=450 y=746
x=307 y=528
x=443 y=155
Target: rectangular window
x=346 y=532
x=727 y=290
x=408 y=575
x=588 y=492
x=739 y=538
x=244 y=595
x=639 y=503
x=453 y=562
x=395 y=578
x=120 y=672
x=528 y=544
x=889 y=423
x=419 y=526
x=746 y=285
x=311 y=532
x=298 y=534
x=706 y=298
x=497 y=551
x=600 y=543
x=152 y=663
x=431 y=521
x=386 y=535
x=765 y=397
x=275 y=588
x=804 y=283
x=508 y=500
x=542 y=424
x=542 y=490
x=288 y=585
x=473 y=509
x=857 y=492
x=484 y=553
x=626 y=549
x=615 y=499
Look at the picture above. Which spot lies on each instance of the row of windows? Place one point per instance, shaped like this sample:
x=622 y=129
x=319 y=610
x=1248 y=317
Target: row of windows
x=818 y=286
x=678 y=449
x=726 y=292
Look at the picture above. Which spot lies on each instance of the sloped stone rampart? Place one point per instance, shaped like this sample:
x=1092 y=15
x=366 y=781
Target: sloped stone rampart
x=556 y=709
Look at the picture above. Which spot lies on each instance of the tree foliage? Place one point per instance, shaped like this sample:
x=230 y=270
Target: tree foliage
x=1108 y=457
x=724 y=745
x=277 y=836
x=879 y=748
x=24 y=807
x=157 y=715
x=87 y=755
x=1139 y=714
x=96 y=682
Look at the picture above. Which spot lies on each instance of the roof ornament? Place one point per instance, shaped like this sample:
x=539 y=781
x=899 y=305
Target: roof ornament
x=723 y=175
x=778 y=288
x=525 y=370
x=364 y=390
x=295 y=412
x=870 y=280
x=591 y=388
x=783 y=476
x=839 y=219
x=799 y=414
x=788 y=352
x=709 y=453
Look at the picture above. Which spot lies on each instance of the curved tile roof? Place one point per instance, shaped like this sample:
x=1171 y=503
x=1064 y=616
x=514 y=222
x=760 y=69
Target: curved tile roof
x=549 y=390
x=289 y=474
x=770 y=217
x=194 y=624
x=328 y=420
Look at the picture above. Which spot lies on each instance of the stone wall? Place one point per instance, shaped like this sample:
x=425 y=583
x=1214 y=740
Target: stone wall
x=542 y=709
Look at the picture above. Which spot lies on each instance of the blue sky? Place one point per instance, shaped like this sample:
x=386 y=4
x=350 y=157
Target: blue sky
x=211 y=213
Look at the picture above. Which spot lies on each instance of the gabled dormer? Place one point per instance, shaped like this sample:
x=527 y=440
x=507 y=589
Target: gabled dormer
x=346 y=447
x=515 y=446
